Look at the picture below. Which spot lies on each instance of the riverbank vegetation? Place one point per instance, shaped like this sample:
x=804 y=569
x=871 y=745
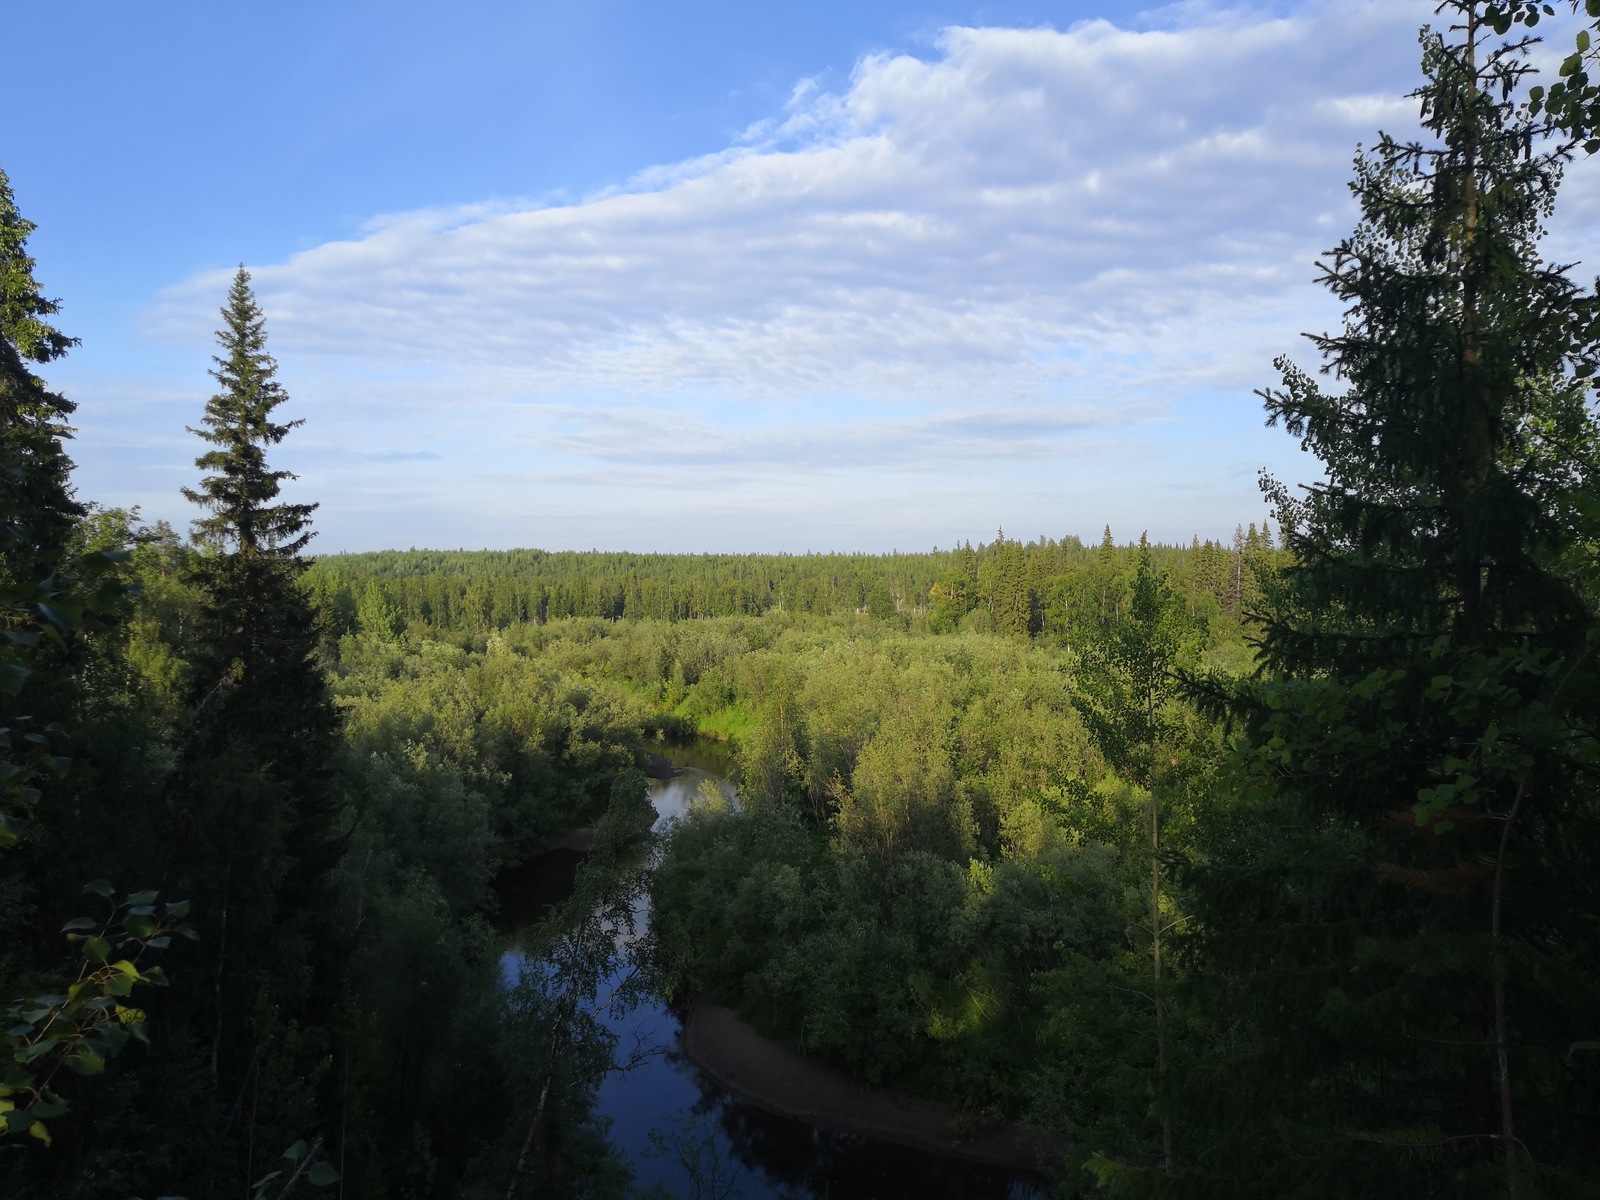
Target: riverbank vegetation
x=1265 y=867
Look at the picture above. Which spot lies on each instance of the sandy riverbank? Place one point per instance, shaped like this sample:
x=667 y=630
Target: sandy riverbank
x=776 y=1078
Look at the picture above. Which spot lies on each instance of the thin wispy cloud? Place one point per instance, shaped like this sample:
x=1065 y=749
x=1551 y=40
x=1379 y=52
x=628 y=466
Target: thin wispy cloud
x=893 y=442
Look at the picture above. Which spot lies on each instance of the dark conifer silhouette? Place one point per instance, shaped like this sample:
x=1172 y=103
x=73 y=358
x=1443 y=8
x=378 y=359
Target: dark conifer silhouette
x=1402 y=922
x=258 y=811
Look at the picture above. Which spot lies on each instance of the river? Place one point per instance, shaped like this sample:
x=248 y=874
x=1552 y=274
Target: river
x=736 y=1148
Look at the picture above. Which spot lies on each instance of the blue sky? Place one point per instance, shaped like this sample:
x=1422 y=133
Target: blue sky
x=706 y=276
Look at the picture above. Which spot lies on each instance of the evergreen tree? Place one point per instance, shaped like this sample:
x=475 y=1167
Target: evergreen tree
x=39 y=508
x=1128 y=680
x=37 y=513
x=241 y=492
x=257 y=810
x=1109 y=586
x=51 y=589
x=1400 y=932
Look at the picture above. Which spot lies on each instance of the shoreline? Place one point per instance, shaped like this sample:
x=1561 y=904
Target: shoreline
x=581 y=839
x=780 y=1080
x=659 y=767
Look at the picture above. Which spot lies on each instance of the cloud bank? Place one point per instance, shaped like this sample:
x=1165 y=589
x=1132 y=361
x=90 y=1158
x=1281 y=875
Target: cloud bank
x=1030 y=275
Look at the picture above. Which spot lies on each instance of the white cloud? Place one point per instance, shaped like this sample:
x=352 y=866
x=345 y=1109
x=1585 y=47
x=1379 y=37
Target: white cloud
x=1026 y=244
x=931 y=228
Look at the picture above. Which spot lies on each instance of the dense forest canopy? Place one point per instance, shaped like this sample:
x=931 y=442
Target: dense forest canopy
x=1267 y=867
x=1038 y=587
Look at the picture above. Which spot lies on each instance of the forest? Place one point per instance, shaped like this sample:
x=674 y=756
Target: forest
x=1265 y=866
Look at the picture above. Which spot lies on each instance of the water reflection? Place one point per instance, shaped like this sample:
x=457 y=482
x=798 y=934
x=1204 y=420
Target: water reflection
x=684 y=1135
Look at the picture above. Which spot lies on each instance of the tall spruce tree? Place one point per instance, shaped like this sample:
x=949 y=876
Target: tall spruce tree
x=37 y=513
x=246 y=516
x=257 y=807
x=1128 y=678
x=51 y=590
x=1398 y=922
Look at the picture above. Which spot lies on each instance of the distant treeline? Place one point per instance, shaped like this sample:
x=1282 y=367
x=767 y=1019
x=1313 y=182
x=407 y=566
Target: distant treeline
x=1045 y=586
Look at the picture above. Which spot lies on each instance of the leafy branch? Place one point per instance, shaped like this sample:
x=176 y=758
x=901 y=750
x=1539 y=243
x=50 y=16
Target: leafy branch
x=90 y=1022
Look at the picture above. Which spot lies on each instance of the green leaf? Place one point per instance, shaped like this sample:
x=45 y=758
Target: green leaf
x=140 y=925
x=112 y=1036
x=178 y=909
x=36 y=1051
x=38 y=1130
x=58 y=615
x=96 y=949
x=322 y=1174
x=99 y=887
x=144 y=898
x=297 y=1151
x=12 y=677
x=85 y=1060
x=80 y=923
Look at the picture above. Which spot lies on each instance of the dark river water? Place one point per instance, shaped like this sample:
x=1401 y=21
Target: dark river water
x=707 y=1141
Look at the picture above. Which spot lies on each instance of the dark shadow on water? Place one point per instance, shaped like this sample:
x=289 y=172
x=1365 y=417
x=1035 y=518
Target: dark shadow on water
x=804 y=1160
x=528 y=891
x=714 y=758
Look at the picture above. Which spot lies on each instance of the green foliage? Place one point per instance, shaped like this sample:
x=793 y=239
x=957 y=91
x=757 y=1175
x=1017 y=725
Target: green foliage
x=1571 y=102
x=1391 y=913
x=301 y=1161
x=1044 y=587
x=933 y=879
x=973 y=797
x=47 y=586
x=240 y=489
x=89 y=1023
x=1129 y=676
x=918 y=971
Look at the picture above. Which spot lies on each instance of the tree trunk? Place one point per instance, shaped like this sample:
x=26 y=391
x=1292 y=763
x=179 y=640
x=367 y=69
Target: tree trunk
x=1161 y=1008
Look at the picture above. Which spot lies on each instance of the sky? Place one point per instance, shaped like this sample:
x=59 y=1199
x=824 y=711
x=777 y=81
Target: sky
x=642 y=275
